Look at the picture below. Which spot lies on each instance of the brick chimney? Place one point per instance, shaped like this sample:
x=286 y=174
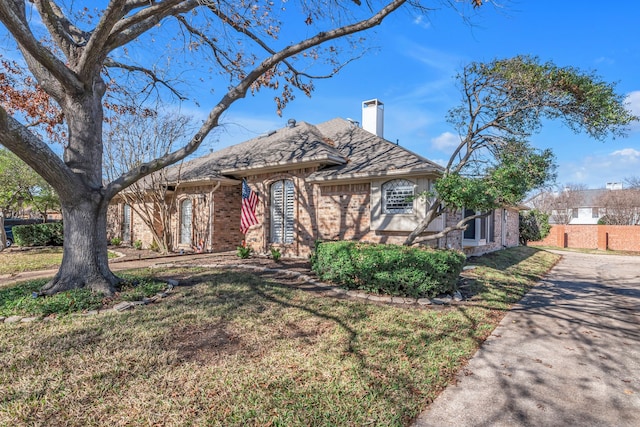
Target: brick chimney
x=373 y=117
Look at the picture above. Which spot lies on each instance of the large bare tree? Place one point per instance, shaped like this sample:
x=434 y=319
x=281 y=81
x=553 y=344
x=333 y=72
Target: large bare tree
x=135 y=139
x=75 y=49
x=621 y=207
x=561 y=205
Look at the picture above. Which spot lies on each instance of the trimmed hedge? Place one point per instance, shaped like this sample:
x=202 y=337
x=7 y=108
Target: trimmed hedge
x=388 y=269
x=47 y=234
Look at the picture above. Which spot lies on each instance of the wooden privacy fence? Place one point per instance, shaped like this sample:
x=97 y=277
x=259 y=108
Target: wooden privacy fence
x=602 y=237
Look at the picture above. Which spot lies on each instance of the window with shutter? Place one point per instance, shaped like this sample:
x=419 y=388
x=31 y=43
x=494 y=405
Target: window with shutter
x=282 y=211
x=185 y=222
x=397 y=197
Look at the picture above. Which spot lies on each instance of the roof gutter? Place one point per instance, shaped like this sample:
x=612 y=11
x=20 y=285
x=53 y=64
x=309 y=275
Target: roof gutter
x=367 y=175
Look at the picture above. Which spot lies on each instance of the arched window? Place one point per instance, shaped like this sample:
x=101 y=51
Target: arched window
x=126 y=224
x=185 y=222
x=282 y=214
x=397 y=196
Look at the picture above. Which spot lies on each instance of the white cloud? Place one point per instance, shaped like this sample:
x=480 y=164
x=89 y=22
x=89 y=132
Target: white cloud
x=445 y=141
x=445 y=62
x=596 y=171
x=632 y=102
x=629 y=153
x=420 y=21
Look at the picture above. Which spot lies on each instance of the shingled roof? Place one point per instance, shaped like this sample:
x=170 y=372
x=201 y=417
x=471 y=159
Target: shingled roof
x=368 y=155
x=342 y=149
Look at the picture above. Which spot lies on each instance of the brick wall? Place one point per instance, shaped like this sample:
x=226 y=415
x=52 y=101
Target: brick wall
x=216 y=217
x=326 y=212
x=603 y=237
x=226 y=218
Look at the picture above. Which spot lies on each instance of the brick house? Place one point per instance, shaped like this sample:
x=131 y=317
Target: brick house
x=331 y=181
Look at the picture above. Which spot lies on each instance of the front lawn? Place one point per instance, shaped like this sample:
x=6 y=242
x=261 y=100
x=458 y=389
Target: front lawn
x=15 y=261
x=18 y=261
x=238 y=349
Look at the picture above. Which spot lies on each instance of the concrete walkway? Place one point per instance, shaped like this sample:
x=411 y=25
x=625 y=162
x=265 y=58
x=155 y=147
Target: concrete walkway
x=568 y=355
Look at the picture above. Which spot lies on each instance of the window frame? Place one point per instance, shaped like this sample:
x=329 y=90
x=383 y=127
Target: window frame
x=282 y=212
x=185 y=236
x=483 y=229
x=399 y=184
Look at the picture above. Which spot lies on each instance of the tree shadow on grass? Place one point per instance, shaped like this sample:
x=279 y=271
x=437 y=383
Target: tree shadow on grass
x=395 y=359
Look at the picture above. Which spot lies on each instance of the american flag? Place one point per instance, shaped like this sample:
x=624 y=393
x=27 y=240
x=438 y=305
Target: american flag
x=249 y=203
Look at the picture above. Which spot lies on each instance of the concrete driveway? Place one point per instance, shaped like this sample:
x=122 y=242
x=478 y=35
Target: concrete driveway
x=567 y=355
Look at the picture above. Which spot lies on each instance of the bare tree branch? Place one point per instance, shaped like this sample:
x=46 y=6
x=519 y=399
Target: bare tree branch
x=240 y=90
x=129 y=28
x=66 y=35
x=93 y=54
x=23 y=143
x=155 y=79
x=42 y=61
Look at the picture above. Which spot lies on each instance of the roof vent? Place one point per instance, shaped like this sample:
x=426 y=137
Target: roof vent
x=353 y=122
x=291 y=123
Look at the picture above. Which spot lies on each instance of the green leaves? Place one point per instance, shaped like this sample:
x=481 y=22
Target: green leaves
x=388 y=269
x=517 y=169
x=534 y=225
x=514 y=95
x=504 y=102
x=19 y=184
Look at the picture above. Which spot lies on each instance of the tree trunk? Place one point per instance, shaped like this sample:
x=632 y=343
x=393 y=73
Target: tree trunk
x=82 y=198
x=424 y=224
x=85 y=259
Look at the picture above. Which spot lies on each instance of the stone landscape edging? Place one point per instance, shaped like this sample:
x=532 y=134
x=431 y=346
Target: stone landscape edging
x=331 y=290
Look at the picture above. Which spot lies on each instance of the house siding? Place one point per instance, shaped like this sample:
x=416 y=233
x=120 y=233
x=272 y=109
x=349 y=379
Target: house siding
x=216 y=217
x=322 y=212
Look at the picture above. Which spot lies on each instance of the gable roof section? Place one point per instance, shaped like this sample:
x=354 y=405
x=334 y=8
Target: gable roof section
x=302 y=144
x=342 y=150
x=369 y=155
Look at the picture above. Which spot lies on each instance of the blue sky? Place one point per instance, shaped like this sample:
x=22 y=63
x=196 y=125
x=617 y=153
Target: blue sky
x=411 y=71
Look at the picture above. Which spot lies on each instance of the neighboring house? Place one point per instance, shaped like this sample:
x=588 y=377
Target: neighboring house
x=331 y=181
x=612 y=204
x=586 y=209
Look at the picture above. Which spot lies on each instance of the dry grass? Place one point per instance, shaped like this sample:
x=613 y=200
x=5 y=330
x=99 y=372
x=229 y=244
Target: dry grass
x=236 y=349
x=14 y=261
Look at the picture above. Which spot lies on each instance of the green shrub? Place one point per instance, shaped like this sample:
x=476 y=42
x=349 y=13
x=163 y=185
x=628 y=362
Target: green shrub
x=276 y=254
x=534 y=226
x=137 y=244
x=154 y=246
x=243 y=252
x=388 y=269
x=47 y=234
x=116 y=241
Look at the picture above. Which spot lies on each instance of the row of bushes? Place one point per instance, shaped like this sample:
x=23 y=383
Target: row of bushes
x=388 y=269
x=47 y=234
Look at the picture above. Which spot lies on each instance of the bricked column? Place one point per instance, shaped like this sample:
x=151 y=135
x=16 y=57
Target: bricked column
x=562 y=237
x=603 y=238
